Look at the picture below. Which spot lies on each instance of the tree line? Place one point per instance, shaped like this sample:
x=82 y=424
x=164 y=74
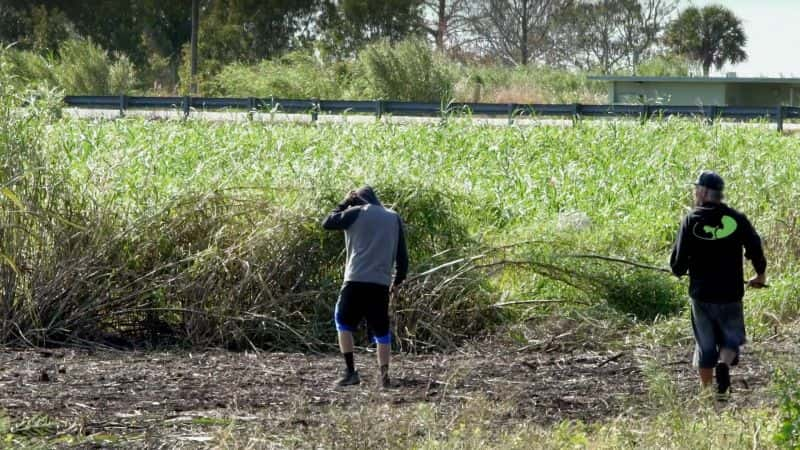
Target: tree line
x=599 y=36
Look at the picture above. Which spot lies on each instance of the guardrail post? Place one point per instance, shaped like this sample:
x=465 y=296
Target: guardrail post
x=379 y=109
x=123 y=104
x=510 y=110
x=272 y=107
x=779 y=118
x=710 y=113
x=314 y=109
x=646 y=113
x=576 y=113
x=251 y=104
x=186 y=103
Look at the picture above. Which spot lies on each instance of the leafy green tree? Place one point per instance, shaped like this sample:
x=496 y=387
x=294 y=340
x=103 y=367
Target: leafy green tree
x=247 y=31
x=250 y=30
x=48 y=28
x=115 y=26
x=348 y=25
x=712 y=35
x=607 y=35
x=12 y=22
x=33 y=26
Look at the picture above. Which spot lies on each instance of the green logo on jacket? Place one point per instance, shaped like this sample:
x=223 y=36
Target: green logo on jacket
x=728 y=227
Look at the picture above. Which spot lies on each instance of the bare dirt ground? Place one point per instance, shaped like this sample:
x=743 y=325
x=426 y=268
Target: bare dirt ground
x=157 y=399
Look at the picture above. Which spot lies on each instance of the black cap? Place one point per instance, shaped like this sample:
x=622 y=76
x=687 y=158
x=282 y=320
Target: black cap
x=710 y=180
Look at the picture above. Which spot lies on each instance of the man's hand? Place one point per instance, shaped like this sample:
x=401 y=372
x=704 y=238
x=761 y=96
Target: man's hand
x=758 y=281
x=350 y=198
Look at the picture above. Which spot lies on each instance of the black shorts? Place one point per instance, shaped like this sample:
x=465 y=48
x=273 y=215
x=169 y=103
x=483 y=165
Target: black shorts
x=364 y=300
x=716 y=326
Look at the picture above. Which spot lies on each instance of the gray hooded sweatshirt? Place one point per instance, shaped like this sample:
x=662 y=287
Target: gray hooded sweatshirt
x=374 y=239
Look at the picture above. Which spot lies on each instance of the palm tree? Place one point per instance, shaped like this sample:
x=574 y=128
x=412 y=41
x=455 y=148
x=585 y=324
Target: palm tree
x=711 y=35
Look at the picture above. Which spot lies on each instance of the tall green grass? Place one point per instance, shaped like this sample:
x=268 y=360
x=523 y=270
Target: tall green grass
x=209 y=232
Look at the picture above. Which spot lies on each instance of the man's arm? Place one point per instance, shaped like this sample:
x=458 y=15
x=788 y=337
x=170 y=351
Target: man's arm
x=754 y=251
x=679 y=260
x=341 y=217
x=402 y=256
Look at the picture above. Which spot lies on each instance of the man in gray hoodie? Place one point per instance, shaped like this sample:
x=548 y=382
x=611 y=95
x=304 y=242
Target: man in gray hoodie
x=375 y=243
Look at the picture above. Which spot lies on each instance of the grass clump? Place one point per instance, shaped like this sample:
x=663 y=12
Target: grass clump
x=641 y=293
x=788 y=391
x=644 y=294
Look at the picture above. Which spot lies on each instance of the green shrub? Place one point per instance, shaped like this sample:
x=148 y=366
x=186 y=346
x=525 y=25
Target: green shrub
x=80 y=68
x=83 y=68
x=644 y=294
x=787 y=384
x=526 y=84
x=408 y=70
x=666 y=66
x=297 y=75
x=121 y=76
x=25 y=68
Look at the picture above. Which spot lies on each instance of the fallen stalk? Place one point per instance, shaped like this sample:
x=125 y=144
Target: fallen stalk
x=528 y=302
x=618 y=260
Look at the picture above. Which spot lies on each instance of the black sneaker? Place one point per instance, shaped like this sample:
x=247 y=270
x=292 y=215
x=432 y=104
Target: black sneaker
x=349 y=379
x=723 y=374
x=384 y=382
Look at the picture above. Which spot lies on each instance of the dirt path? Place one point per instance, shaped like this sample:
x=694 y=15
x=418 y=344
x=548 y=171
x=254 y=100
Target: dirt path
x=159 y=394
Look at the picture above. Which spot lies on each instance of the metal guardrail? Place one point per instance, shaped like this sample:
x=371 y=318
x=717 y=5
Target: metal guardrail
x=314 y=107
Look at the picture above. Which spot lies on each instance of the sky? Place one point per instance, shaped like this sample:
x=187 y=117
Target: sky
x=773 y=40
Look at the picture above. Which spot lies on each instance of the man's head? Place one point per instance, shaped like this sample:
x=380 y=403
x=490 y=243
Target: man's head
x=708 y=188
x=364 y=195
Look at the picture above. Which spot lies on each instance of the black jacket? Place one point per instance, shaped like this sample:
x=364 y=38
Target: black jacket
x=709 y=246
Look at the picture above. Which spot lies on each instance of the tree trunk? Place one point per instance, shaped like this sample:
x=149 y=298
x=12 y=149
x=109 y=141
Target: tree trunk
x=441 y=28
x=524 y=44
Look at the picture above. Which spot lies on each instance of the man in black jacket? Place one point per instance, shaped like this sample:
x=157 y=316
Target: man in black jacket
x=709 y=246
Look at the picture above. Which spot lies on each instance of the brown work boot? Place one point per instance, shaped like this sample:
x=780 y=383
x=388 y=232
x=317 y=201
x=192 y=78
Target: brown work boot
x=349 y=379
